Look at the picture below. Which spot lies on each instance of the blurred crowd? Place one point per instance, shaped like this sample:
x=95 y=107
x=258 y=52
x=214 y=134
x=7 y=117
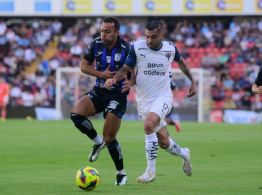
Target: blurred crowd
x=231 y=48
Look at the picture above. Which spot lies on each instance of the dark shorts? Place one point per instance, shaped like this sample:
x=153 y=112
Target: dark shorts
x=108 y=101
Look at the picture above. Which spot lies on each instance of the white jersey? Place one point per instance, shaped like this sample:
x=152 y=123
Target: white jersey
x=153 y=70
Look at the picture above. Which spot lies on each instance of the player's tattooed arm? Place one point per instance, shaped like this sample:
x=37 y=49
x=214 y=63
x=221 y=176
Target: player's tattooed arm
x=184 y=68
x=129 y=81
x=119 y=75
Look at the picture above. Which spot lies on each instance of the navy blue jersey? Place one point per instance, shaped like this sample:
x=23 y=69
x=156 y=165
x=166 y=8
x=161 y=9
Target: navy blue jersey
x=103 y=57
x=259 y=78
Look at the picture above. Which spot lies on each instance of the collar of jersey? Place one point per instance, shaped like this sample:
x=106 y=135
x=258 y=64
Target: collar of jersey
x=159 y=47
x=118 y=43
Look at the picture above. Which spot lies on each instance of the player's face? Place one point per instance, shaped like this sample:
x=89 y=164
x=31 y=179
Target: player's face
x=153 y=38
x=108 y=33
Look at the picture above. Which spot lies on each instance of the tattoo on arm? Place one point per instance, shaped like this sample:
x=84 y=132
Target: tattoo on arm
x=120 y=75
x=133 y=78
x=184 y=68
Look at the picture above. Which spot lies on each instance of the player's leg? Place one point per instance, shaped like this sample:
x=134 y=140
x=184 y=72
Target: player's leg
x=151 y=147
x=3 y=112
x=170 y=145
x=111 y=127
x=172 y=119
x=83 y=109
x=116 y=107
x=153 y=123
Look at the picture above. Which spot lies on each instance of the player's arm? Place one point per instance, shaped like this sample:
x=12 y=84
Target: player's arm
x=87 y=64
x=122 y=73
x=132 y=80
x=119 y=75
x=185 y=69
x=128 y=83
x=88 y=68
x=257 y=86
x=256 y=89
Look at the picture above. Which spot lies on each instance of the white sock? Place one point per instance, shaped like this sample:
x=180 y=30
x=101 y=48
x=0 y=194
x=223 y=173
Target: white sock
x=151 y=146
x=122 y=172
x=175 y=149
x=98 y=140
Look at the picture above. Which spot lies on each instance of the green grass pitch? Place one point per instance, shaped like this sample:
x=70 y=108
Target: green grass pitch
x=43 y=157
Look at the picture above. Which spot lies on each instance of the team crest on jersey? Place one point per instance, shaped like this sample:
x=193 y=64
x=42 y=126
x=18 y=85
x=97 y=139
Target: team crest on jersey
x=108 y=59
x=117 y=57
x=168 y=54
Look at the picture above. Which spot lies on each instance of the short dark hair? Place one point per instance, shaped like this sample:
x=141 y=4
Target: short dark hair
x=154 y=24
x=112 y=20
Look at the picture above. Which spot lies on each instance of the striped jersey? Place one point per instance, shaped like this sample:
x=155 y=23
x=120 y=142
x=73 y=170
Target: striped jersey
x=103 y=57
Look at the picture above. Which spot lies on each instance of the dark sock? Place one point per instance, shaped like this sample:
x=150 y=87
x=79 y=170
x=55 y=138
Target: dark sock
x=116 y=154
x=84 y=125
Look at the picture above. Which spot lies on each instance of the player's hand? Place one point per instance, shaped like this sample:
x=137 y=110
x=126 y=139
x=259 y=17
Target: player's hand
x=107 y=74
x=109 y=83
x=259 y=90
x=192 y=89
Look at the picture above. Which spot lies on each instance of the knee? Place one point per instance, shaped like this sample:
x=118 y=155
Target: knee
x=76 y=118
x=149 y=126
x=80 y=120
x=83 y=124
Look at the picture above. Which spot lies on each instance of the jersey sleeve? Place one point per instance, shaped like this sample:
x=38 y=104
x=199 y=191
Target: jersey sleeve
x=131 y=58
x=177 y=56
x=173 y=85
x=128 y=46
x=90 y=54
x=258 y=81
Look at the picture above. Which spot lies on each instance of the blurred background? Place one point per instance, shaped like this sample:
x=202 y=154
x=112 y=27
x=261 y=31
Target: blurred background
x=42 y=41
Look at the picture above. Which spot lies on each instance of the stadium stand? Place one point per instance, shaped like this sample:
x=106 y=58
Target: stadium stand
x=32 y=50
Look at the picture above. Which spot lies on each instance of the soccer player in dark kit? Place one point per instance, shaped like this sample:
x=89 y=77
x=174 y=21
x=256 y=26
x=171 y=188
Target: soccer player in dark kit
x=257 y=86
x=108 y=52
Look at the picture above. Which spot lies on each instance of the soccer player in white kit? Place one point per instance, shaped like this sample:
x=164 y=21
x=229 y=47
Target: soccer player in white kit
x=152 y=59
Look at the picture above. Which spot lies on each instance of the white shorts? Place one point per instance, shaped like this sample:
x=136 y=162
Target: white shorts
x=161 y=106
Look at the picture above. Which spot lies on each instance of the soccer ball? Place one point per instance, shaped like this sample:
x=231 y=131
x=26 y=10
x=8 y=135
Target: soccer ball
x=87 y=178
